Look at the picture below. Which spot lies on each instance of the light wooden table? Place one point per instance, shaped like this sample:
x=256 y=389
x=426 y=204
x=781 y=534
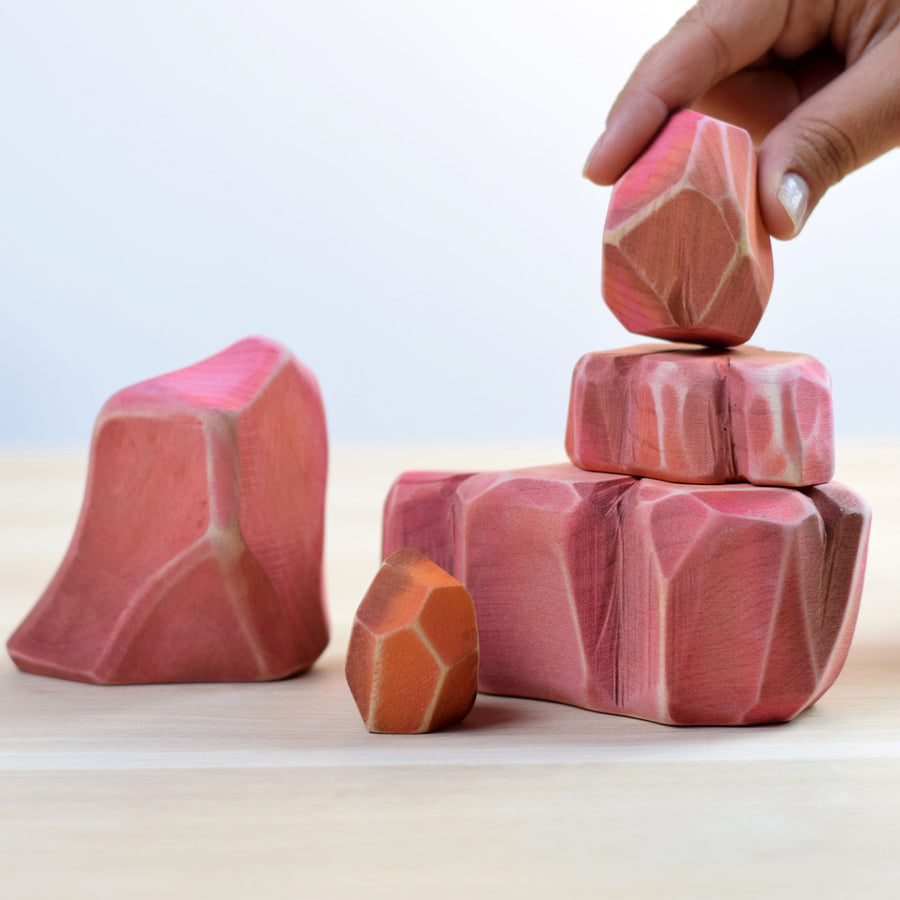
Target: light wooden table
x=276 y=790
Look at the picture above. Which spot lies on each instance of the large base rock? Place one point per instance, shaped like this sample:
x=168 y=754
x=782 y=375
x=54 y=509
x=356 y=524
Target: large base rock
x=683 y=604
x=699 y=416
x=198 y=554
x=685 y=253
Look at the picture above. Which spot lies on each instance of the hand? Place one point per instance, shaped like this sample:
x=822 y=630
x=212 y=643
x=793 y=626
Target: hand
x=817 y=85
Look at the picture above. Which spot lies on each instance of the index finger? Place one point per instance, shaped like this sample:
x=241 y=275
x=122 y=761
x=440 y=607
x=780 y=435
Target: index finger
x=713 y=40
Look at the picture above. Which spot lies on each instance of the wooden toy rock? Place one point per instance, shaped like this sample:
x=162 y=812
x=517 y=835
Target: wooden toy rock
x=412 y=663
x=685 y=253
x=694 y=564
x=198 y=553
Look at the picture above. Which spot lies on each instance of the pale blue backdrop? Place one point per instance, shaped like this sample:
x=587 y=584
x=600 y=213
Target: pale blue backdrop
x=392 y=189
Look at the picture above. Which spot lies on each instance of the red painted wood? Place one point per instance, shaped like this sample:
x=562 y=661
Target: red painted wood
x=688 y=414
x=685 y=254
x=412 y=662
x=679 y=603
x=198 y=553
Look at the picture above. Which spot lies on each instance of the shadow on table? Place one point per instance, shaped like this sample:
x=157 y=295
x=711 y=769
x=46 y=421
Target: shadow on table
x=491 y=712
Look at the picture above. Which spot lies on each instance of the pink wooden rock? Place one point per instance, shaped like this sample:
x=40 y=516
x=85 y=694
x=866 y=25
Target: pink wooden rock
x=198 y=553
x=684 y=414
x=685 y=254
x=739 y=600
x=682 y=604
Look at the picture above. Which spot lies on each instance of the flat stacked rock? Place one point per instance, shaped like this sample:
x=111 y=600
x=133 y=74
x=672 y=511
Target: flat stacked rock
x=694 y=565
x=683 y=413
x=198 y=553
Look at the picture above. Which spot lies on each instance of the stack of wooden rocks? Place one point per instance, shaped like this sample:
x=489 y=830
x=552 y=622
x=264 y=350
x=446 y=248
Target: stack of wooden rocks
x=694 y=564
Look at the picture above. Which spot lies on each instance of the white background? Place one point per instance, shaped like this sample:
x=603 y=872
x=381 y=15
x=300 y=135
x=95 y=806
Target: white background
x=392 y=189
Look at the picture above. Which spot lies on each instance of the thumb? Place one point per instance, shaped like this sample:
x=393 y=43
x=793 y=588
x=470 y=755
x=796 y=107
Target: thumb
x=849 y=122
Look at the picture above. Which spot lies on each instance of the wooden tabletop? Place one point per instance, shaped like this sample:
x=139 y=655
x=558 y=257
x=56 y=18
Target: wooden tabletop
x=276 y=790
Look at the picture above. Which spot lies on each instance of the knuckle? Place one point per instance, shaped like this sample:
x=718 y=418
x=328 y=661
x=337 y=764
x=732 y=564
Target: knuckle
x=719 y=48
x=828 y=149
x=700 y=19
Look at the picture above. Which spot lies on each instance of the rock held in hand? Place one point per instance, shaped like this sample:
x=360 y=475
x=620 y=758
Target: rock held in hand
x=198 y=553
x=685 y=253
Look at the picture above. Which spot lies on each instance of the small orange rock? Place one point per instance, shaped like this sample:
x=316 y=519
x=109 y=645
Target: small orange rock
x=412 y=663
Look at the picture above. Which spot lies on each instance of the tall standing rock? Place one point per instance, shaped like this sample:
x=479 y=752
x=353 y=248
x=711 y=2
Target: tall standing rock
x=198 y=553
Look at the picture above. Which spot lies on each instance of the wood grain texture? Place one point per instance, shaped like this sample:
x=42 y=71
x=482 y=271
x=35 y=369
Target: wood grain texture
x=679 y=603
x=685 y=254
x=686 y=414
x=198 y=553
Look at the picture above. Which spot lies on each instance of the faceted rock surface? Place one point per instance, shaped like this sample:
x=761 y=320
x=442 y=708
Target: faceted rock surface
x=685 y=254
x=198 y=552
x=700 y=416
x=731 y=601
x=682 y=604
x=412 y=663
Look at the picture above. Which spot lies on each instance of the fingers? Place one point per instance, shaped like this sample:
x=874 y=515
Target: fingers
x=753 y=99
x=849 y=122
x=760 y=96
x=713 y=40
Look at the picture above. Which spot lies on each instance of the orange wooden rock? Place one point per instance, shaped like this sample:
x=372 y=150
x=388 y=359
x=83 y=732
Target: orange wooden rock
x=685 y=254
x=412 y=663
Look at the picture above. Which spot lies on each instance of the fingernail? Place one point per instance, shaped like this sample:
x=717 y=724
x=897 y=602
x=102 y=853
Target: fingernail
x=594 y=151
x=793 y=194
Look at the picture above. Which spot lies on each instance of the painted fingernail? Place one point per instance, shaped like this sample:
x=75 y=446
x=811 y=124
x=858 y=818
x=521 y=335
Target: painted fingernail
x=594 y=151
x=793 y=194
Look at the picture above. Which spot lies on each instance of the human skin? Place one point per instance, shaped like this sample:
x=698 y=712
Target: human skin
x=815 y=82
